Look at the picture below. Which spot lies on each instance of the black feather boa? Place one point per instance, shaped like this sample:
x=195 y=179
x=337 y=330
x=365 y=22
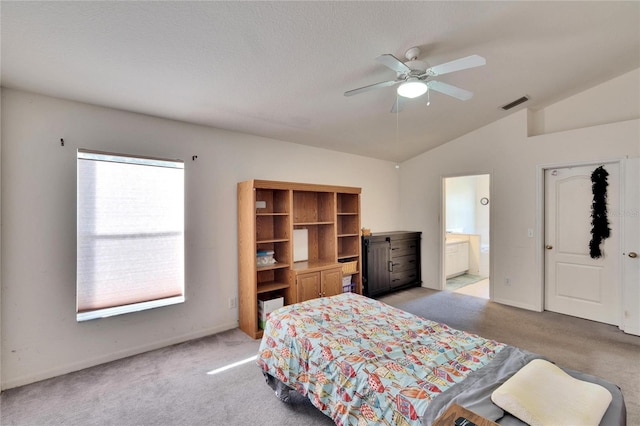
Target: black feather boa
x=599 y=222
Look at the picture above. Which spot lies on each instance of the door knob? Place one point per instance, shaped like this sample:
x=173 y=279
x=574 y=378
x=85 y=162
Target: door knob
x=633 y=254
x=548 y=247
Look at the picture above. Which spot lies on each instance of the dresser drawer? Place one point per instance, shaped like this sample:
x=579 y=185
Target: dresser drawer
x=404 y=263
x=403 y=248
x=404 y=277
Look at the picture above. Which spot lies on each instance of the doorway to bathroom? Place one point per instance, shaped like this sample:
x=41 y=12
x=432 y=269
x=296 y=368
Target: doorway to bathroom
x=466 y=244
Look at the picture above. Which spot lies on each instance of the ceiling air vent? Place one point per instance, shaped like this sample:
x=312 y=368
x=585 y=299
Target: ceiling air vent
x=515 y=103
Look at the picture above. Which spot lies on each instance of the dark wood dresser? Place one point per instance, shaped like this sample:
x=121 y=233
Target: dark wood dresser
x=390 y=261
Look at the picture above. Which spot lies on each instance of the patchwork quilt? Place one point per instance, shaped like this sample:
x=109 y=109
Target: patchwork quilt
x=361 y=361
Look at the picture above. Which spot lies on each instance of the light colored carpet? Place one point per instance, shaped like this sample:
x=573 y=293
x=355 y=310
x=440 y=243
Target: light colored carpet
x=170 y=386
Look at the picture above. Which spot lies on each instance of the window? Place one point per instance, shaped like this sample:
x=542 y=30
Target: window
x=130 y=234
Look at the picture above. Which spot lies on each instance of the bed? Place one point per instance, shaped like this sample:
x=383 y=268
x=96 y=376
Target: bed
x=361 y=361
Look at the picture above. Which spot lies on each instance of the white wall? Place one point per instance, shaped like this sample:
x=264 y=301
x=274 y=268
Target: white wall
x=616 y=100
x=504 y=150
x=1 y=287
x=40 y=336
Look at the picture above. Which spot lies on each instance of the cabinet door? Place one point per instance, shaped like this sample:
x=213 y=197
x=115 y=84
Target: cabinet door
x=378 y=274
x=308 y=286
x=451 y=262
x=464 y=257
x=331 y=282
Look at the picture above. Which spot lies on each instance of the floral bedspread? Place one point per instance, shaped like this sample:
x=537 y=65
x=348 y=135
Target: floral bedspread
x=361 y=361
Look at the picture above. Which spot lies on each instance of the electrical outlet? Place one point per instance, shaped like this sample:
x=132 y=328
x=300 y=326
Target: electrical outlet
x=233 y=302
x=507 y=281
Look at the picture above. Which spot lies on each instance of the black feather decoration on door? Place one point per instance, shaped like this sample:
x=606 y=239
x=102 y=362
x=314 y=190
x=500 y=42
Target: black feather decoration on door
x=599 y=223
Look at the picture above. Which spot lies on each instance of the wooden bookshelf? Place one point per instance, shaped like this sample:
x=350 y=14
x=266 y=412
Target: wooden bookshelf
x=268 y=212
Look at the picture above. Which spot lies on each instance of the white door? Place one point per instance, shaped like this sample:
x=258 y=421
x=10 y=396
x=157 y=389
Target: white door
x=576 y=284
x=630 y=213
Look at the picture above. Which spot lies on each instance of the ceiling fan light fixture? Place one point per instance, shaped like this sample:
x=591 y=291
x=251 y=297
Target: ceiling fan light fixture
x=412 y=88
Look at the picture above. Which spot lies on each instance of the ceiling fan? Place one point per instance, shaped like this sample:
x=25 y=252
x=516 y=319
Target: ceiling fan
x=415 y=77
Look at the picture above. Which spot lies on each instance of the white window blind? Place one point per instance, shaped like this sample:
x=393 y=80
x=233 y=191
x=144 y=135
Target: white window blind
x=130 y=234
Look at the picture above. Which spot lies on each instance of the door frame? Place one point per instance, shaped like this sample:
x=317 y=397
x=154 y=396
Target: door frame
x=443 y=225
x=540 y=223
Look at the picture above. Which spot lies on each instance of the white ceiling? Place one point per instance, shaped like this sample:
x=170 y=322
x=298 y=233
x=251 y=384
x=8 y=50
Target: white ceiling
x=279 y=69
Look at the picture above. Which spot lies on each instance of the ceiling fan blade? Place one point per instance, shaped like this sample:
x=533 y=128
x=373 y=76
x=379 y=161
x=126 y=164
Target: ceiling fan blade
x=447 y=89
x=458 y=65
x=394 y=63
x=398 y=105
x=371 y=87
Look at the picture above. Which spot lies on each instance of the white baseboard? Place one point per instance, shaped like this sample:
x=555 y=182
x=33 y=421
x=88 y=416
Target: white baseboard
x=92 y=362
x=631 y=330
x=526 y=306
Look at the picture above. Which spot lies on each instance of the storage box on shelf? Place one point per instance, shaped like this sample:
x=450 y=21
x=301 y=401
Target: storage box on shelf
x=348 y=288
x=265 y=258
x=347 y=285
x=268 y=214
x=265 y=307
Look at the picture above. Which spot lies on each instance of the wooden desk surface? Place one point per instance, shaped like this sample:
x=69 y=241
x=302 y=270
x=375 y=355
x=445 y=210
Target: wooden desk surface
x=454 y=411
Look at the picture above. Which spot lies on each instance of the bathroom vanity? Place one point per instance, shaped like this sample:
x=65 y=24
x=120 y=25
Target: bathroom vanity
x=457 y=258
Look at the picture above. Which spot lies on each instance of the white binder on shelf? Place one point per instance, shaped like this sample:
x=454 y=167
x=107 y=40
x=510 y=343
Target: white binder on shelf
x=300 y=245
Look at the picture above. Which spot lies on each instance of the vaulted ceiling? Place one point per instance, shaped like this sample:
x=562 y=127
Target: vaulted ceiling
x=280 y=69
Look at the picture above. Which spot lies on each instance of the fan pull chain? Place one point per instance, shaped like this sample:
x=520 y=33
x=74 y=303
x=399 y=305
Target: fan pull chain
x=397 y=126
x=397 y=121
